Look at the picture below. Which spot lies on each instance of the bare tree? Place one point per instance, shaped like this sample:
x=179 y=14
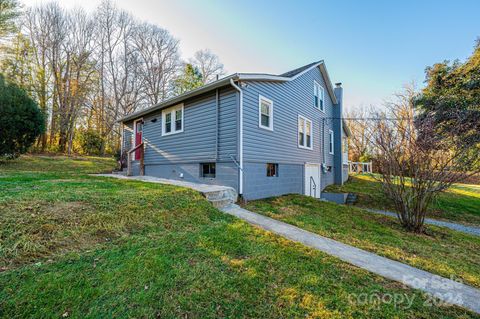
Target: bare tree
x=88 y=70
x=159 y=61
x=117 y=67
x=360 y=146
x=415 y=165
x=208 y=64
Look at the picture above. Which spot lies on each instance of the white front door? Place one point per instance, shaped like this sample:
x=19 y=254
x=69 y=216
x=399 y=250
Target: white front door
x=312 y=180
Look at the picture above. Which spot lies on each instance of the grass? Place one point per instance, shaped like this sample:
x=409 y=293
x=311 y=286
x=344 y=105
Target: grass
x=461 y=203
x=441 y=251
x=80 y=246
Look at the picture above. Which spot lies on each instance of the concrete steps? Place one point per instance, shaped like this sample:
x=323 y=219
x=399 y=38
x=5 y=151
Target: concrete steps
x=221 y=198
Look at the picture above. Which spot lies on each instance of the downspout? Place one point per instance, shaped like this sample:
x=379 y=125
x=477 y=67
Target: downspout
x=324 y=162
x=217 y=125
x=122 y=132
x=240 y=142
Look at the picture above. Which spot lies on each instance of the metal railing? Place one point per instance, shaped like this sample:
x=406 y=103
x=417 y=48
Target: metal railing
x=312 y=181
x=235 y=162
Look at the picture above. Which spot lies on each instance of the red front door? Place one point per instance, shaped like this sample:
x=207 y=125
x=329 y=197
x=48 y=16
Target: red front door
x=138 y=137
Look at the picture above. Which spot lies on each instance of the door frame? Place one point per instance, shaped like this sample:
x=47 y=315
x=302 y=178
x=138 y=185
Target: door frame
x=319 y=187
x=135 y=136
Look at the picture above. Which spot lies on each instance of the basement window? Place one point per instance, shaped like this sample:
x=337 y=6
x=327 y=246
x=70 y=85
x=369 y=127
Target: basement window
x=207 y=170
x=272 y=170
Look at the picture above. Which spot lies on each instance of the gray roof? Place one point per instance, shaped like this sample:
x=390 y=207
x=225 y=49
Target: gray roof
x=285 y=77
x=299 y=70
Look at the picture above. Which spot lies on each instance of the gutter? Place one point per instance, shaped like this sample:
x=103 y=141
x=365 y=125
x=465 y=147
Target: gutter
x=240 y=142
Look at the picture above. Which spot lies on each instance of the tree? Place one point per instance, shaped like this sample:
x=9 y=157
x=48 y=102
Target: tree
x=452 y=98
x=189 y=79
x=91 y=142
x=360 y=141
x=87 y=70
x=416 y=164
x=208 y=64
x=21 y=120
x=8 y=13
x=159 y=59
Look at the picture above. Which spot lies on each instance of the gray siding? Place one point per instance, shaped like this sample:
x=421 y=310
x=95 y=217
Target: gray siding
x=290 y=99
x=288 y=181
x=200 y=142
x=226 y=173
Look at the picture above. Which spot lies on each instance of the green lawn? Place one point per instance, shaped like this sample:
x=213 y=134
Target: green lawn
x=441 y=251
x=461 y=203
x=80 y=246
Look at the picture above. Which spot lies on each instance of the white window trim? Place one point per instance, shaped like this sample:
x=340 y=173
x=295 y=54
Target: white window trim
x=172 y=110
x=305 y=132
x=331 y=141
x=270 y=102
x=322 y=90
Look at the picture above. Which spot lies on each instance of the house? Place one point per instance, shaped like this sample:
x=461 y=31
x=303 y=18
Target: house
x=262 y=134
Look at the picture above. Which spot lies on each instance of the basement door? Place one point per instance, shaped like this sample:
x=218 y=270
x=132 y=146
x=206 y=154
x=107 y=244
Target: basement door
x=312 y=180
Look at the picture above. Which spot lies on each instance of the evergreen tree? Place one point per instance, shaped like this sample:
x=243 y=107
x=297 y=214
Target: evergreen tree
x=21 y=121
x=191 y=78
x=8 y=12
x=452 y=98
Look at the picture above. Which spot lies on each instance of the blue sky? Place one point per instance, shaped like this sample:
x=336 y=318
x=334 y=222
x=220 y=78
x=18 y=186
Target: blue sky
x=372 y=47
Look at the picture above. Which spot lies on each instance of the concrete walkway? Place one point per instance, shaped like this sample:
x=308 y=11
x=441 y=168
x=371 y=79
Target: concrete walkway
x=471 y=230
x=198 y=187
x=444 y=289
x=219 y=196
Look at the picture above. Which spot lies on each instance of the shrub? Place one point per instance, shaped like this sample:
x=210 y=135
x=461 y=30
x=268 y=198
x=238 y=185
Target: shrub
x=91 y=142
x=21 y=121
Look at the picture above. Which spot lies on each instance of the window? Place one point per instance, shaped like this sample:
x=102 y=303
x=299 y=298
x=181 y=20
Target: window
x=172 y=120
x=207 y=170
x=139 y=126
x=318 y=94
x=265 y=113
x=330 y=144
x=304 y=133
x=272 y=170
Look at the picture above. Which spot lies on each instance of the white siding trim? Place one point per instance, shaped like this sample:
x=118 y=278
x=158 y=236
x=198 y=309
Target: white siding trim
x=270 y=102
